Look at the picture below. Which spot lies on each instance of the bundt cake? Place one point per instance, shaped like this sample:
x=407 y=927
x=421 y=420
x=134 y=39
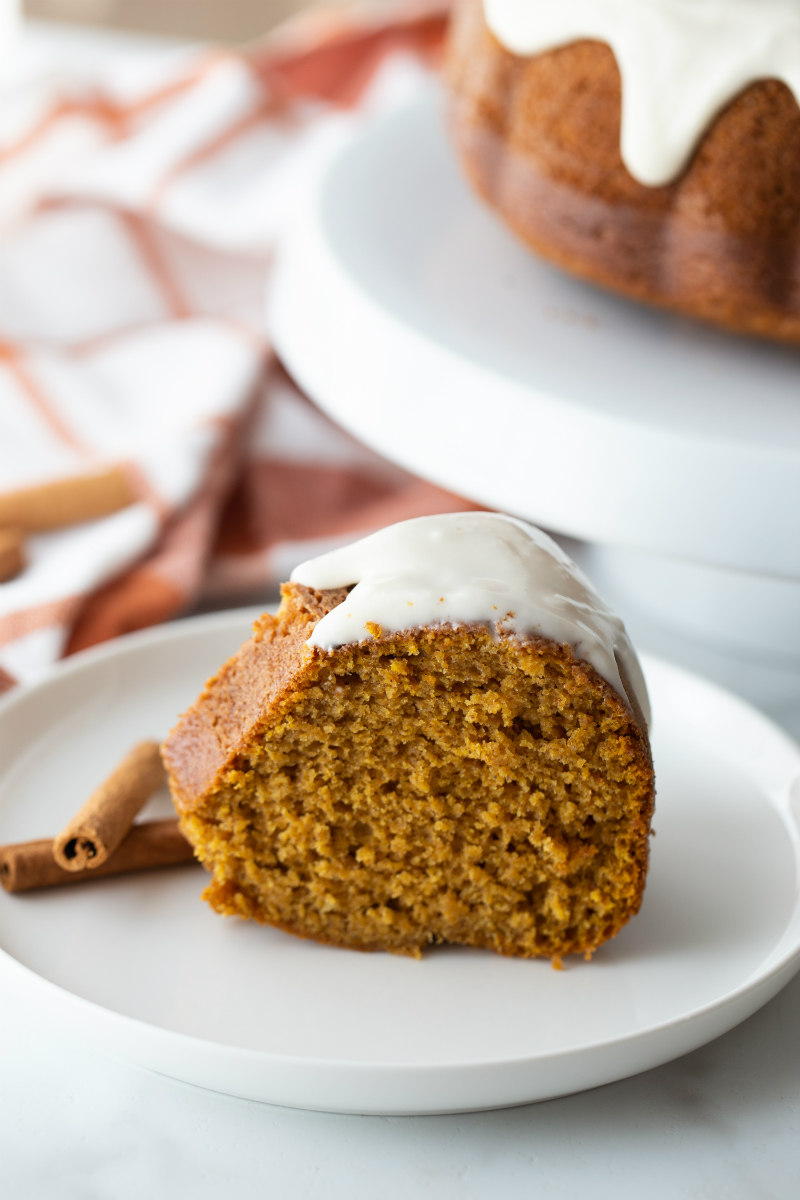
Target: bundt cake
x=649 y=146
x=441 y=736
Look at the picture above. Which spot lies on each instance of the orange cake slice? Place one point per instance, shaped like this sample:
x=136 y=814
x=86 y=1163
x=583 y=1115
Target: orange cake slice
x=441 y=736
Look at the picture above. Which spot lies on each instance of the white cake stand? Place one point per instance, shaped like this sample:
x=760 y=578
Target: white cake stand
x=412 y=317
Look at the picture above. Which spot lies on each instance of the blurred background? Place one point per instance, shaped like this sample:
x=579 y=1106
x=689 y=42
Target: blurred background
x=215 y=20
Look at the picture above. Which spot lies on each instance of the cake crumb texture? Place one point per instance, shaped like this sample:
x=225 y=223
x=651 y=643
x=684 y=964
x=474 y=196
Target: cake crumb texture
x=439 y=785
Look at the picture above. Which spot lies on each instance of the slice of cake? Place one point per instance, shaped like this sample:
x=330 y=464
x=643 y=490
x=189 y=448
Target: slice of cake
x=441 y=736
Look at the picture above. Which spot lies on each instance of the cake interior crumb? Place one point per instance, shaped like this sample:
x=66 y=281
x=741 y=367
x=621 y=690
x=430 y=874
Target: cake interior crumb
x=437 y=786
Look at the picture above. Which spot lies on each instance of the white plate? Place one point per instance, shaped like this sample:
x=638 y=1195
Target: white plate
x=142 y=966
x=410 y=315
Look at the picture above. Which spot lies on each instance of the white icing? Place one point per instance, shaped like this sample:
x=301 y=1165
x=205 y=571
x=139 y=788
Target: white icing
x=462 y=568
x=681 y=61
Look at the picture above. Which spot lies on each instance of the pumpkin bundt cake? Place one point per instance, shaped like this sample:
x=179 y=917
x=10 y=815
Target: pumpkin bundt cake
x=649 y=146
x=440 y=737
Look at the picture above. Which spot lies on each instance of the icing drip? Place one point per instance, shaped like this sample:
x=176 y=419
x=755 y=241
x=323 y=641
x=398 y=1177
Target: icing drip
x=472 y=567
x=681 y=61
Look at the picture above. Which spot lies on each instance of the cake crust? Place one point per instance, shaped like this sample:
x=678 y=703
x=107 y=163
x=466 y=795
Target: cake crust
x=213 y=731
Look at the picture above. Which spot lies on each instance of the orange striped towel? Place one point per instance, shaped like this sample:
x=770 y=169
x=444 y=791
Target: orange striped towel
x=140 y=211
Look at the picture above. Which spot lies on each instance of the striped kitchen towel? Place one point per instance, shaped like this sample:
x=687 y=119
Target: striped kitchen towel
x=154 y=456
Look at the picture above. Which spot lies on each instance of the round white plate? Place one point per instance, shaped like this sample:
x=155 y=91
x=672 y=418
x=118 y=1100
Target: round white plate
x=141 y=965
x=411 y=316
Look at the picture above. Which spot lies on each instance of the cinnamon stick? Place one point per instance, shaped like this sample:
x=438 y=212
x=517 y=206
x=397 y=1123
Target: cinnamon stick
x=12 y=553
x=69 y=501
x=94 y=833
x=150 y=844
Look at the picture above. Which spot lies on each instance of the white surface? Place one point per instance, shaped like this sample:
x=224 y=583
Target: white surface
x=9 y=34
x=748 y=614
x=417 y=322
x=721 y=1124
x=257 y=1013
